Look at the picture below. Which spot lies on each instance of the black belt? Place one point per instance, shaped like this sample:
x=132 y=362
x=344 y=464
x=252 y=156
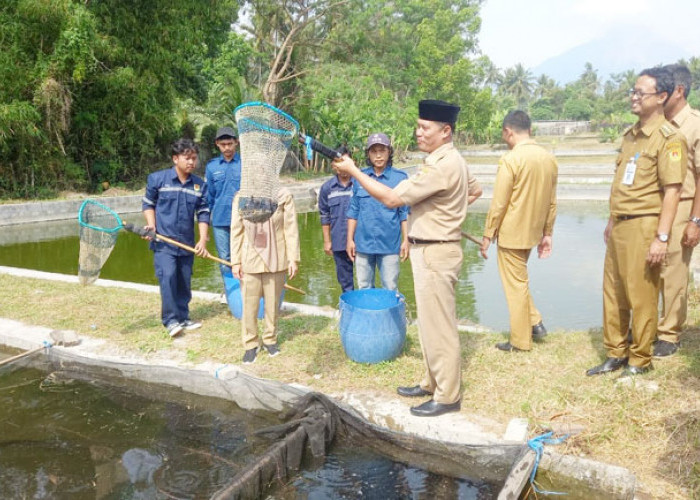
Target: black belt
x=633 y=216
x=418 y=241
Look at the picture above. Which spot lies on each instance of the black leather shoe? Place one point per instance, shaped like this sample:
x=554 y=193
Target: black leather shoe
x=610 y=365
x=631 y=371
x=506 y=346
x=433 y=409
x=413 y=392
x=663 y=348
x=539 y=331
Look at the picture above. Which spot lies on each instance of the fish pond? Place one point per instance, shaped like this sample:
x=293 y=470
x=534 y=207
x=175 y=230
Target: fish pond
x=566 y=287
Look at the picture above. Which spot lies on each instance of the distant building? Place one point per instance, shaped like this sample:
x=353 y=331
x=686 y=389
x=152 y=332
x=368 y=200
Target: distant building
x=560 y=127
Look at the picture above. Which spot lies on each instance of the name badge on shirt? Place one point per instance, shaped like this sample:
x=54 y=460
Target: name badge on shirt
x=630 y=170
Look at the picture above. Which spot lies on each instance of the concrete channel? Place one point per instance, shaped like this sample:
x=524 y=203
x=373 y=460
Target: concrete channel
x=581 y=478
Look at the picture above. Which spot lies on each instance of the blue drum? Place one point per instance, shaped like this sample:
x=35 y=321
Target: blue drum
x=372 y=324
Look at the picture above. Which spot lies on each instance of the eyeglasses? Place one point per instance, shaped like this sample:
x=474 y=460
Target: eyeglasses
x=639 y=94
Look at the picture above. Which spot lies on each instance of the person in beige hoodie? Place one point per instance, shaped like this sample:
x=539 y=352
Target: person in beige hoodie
x=263 y=254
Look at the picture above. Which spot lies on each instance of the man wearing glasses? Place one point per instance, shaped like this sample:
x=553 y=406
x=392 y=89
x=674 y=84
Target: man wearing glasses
x=643 y=201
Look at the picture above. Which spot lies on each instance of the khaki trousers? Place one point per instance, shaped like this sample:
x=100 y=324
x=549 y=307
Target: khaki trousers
x=630 y=289
x=270 y=287
x=512 y=266
x=674 y=278
x=435 y=271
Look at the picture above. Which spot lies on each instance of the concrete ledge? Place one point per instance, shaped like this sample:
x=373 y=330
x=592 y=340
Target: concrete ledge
x=40 y=211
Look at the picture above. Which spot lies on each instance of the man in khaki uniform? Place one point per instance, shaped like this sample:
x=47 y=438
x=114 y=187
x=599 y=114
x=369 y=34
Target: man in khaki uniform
x=685 y=232
x=643 y=201
x=262 y=255
x=438 y=196
x=521 y=216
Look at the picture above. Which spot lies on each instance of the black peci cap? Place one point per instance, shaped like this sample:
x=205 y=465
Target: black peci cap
x=438 y=111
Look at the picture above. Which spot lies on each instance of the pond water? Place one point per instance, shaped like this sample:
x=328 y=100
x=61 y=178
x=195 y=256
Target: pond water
x=64 y=438
x=566 y=287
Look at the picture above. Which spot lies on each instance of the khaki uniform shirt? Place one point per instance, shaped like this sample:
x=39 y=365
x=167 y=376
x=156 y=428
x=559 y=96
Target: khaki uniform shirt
x=660 y=155
x=286 y=234
x=688 y=122
x=438 y=195
x=524 y=203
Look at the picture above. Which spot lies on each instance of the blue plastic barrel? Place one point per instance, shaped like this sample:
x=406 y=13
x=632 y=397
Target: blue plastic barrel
x=235 y=301
x=372 y=324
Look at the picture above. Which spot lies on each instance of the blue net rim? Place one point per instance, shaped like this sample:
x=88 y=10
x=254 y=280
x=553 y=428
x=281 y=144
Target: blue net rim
x=84 y=223
x=260 y=126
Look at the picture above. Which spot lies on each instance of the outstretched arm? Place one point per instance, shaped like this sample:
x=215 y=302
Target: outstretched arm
x=376 y=189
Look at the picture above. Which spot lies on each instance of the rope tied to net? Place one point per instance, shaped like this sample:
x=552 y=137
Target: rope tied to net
x=536 y=444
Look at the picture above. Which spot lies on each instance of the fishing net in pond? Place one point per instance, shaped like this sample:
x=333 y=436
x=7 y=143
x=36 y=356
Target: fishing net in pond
x=265 y=134
x=99 y=227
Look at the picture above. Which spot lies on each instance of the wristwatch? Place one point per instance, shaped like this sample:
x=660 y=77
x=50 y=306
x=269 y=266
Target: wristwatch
x=663 y=238
x=695 y=220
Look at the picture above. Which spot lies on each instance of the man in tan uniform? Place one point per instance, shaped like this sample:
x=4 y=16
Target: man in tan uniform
x=643 y=201
x=685 y=232
x=521 y=216
x=263 y=254
x=438 y=196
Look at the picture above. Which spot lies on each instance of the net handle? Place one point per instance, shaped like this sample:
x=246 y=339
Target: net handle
x=82 y=222
x=142 y=231
x=319 y=147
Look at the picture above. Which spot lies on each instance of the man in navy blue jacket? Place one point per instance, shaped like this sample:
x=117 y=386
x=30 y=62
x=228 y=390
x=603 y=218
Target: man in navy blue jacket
x=173 y=197
x=333 y=201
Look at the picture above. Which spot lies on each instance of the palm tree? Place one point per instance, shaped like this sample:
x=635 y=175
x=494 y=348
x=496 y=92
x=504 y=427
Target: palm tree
x=517 y=82
x=545 y=87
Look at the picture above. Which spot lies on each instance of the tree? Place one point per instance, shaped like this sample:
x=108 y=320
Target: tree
x=283 y=29
x=97 y=83
x=517 y=82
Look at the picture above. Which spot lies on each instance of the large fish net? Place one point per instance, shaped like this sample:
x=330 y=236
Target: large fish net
x=99 y=227
x=265 y=134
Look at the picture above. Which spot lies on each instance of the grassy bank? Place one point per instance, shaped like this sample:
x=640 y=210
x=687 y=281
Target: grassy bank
x=651 y=427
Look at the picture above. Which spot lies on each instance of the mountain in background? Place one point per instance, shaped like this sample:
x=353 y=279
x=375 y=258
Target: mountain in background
x=624 y=49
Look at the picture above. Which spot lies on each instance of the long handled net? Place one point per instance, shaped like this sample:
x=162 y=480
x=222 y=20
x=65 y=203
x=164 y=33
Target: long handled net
x=99 y=226
x=265 y=134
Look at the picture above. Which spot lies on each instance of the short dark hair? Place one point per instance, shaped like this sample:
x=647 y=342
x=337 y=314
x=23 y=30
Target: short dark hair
x=681 y=77
x=663 y=78
x=517 y=120
x=183 y=145
x=452 y=125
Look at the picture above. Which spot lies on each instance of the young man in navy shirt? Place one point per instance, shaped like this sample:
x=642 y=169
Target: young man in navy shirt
x=173 y=197
x=333 y=201
x=223 y=175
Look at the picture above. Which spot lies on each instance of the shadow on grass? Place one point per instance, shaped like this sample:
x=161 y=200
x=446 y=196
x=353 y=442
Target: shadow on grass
x=198 y=311
x=595 y=335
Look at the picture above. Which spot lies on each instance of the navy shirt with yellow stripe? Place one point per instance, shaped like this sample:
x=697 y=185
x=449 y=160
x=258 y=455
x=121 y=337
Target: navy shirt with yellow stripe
x=175 y=204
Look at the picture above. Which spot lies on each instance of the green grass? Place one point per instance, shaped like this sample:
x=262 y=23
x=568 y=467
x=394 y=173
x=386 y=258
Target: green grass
x=656 y=434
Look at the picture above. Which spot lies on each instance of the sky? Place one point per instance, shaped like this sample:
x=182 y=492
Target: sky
x=532 y=31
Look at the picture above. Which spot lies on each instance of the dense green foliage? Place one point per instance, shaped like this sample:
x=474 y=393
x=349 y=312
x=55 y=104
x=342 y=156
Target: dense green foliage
x=88 y=90
x=93 y=91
